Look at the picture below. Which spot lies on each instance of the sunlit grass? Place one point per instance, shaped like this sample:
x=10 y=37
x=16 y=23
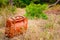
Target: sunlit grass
x=6 y=12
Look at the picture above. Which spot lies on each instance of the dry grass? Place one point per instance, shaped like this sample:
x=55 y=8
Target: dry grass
x=5 y=13
x=54 y=10
x=41 y=29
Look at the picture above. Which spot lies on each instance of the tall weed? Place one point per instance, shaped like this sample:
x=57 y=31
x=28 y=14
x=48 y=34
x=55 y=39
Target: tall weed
x=5 y=13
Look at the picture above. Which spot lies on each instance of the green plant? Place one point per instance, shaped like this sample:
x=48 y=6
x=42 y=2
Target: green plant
x=36 y=11
x=19 y=3
x=26 y=1
x=52 y=1
x=3 y=2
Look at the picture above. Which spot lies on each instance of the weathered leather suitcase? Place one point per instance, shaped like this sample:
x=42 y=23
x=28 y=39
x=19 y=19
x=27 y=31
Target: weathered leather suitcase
x=15 y=25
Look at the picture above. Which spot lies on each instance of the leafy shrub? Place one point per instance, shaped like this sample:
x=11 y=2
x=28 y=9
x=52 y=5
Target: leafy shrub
x=19 y=3
x=52 y=1
x=36 y=11
x=43 y=1
x=3 y=2
x=36 y=1
x=26 y=1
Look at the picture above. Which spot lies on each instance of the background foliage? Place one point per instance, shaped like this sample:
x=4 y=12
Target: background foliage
x=36 y=11
x=3 y=2
x=23 y=3
x=19 y=3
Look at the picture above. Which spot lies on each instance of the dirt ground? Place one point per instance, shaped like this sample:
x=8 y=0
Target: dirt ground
x=38 y=29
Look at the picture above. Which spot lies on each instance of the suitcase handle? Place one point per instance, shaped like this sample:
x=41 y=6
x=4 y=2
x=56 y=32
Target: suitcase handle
x=17 y=19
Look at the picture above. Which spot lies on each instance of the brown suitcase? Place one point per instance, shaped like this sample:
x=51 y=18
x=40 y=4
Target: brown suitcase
x=15 y=26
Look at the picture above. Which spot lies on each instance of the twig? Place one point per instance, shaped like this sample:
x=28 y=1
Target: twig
x=53 y=4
